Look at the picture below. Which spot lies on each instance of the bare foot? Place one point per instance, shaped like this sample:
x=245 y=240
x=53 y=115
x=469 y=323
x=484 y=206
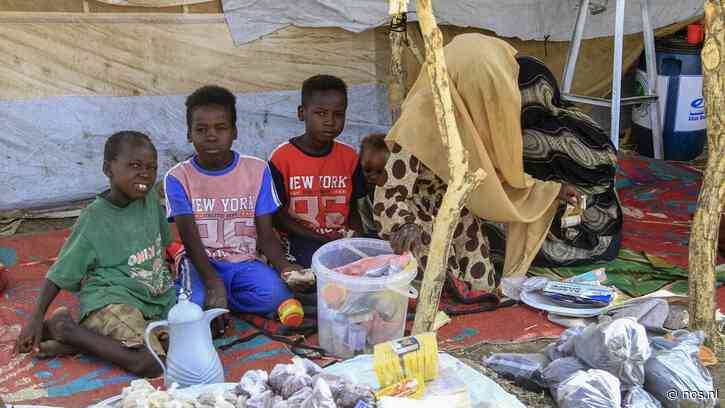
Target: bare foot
x=54 y=348
x=53 y=329
x=59 y=324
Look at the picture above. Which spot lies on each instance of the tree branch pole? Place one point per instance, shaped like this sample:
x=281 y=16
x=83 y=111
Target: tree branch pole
x=705 y=225
x=396 y=85
x=460 y=182
x=413 y=48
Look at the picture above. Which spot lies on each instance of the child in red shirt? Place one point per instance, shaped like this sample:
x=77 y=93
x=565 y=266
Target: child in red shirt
x=317 y=178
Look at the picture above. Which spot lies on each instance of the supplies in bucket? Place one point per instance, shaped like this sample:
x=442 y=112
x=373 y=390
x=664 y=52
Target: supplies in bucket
x=362 y=294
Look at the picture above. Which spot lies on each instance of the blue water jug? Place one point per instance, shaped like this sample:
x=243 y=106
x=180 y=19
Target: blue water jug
x=679 y=87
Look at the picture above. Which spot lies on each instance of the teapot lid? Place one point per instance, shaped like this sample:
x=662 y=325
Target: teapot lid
x=185 y=311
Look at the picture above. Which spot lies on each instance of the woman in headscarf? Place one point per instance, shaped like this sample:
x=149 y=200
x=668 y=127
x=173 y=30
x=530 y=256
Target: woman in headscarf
x=537 y=155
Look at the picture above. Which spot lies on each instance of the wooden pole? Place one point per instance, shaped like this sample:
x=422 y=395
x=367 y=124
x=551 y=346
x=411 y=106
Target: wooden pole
x=461 y=182
x=703 y=238
x=413 y=48
x=396 y=85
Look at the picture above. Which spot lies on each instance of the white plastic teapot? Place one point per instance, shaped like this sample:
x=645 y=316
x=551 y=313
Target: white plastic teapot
x=192 y=358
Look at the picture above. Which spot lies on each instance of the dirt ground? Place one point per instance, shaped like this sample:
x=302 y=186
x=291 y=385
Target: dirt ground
x=473 y=356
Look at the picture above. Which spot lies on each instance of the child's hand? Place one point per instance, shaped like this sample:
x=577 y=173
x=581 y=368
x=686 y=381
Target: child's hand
x=30 y=337
x=298 y=279
x=216 y=297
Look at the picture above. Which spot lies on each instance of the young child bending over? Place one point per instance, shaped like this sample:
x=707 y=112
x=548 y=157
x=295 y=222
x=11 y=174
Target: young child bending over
x=115 y=259
x=222 y=203
x=373 y=157
x=317 y=178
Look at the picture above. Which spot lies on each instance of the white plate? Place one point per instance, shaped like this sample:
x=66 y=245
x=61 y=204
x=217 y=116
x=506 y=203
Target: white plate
x=189 y=392
x=541 y=302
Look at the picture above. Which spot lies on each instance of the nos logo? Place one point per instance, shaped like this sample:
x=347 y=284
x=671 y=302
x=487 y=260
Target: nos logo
x=698 y=103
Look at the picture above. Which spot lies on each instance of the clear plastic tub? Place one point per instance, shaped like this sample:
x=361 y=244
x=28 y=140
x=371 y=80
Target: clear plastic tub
x=355 y=313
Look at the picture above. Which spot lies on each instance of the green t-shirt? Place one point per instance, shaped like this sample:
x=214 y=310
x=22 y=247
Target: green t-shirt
x=116 y=255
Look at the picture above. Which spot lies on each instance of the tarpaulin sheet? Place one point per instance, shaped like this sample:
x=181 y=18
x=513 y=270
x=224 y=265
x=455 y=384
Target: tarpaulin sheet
x=524 y=19
x=52 y=148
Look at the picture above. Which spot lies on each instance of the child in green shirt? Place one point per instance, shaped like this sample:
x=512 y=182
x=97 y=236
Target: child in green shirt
x=115 y=259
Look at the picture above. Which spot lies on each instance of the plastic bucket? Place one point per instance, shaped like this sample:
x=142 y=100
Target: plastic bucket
x=356 y=312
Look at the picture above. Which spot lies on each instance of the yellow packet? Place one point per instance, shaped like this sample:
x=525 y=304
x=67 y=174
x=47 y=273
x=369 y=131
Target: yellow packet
x=408 y=388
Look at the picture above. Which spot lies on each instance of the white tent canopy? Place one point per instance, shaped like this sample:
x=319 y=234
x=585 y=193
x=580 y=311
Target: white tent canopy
x=524 y=19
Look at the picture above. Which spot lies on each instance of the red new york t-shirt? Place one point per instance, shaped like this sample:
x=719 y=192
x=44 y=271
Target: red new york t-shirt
x=317 y=190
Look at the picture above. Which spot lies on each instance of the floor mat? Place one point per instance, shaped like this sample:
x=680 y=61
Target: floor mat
x=658 y=199
x=80 y=380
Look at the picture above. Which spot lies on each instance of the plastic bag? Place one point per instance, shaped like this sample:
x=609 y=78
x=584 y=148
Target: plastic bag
x=299 y=398
x=564 y=347
x=678 y=337
x=280 y=374
x=637 y=397
x=310 y=367
x=345 y=392
x=376 y=266
x=351 y=394
x=525 y=369
x=619 y=346
x=560 y=370
x=589 y=389
x=321 y=396
x=650 y=313
x=295 y=383
x=264 y=399
x=678 y=372
x=253 y=383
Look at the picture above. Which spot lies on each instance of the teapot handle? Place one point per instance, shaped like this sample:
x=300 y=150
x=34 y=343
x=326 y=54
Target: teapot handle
x=149 y=328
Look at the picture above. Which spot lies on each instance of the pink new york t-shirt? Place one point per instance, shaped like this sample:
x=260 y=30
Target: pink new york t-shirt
x=224 y=203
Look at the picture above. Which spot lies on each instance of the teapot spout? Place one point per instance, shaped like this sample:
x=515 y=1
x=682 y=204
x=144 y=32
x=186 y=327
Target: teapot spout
x=210 y=314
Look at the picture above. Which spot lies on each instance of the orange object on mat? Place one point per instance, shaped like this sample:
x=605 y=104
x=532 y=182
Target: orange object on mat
x=291 y=313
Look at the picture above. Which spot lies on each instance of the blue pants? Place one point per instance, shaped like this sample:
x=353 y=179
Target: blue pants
x=252 y=286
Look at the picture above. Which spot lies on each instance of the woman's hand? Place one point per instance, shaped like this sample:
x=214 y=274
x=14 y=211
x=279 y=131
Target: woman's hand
x=570 y=194
x=405 y=238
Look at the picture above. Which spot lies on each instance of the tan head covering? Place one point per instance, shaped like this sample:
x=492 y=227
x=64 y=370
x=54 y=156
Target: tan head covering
x=487 y=103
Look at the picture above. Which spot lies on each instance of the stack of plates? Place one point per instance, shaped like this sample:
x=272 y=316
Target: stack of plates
x=537 y=300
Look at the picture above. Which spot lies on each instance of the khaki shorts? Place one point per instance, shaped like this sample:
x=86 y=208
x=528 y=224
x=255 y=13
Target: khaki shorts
x=126 y=324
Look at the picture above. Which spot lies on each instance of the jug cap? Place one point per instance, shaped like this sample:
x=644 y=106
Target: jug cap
x=185 y=311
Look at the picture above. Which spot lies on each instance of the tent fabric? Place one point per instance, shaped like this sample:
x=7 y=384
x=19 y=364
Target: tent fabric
x=52 y=148
x=43 y=59
x=523 y=19
x=594 y=66
x=111 y=6
x=153 y=3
